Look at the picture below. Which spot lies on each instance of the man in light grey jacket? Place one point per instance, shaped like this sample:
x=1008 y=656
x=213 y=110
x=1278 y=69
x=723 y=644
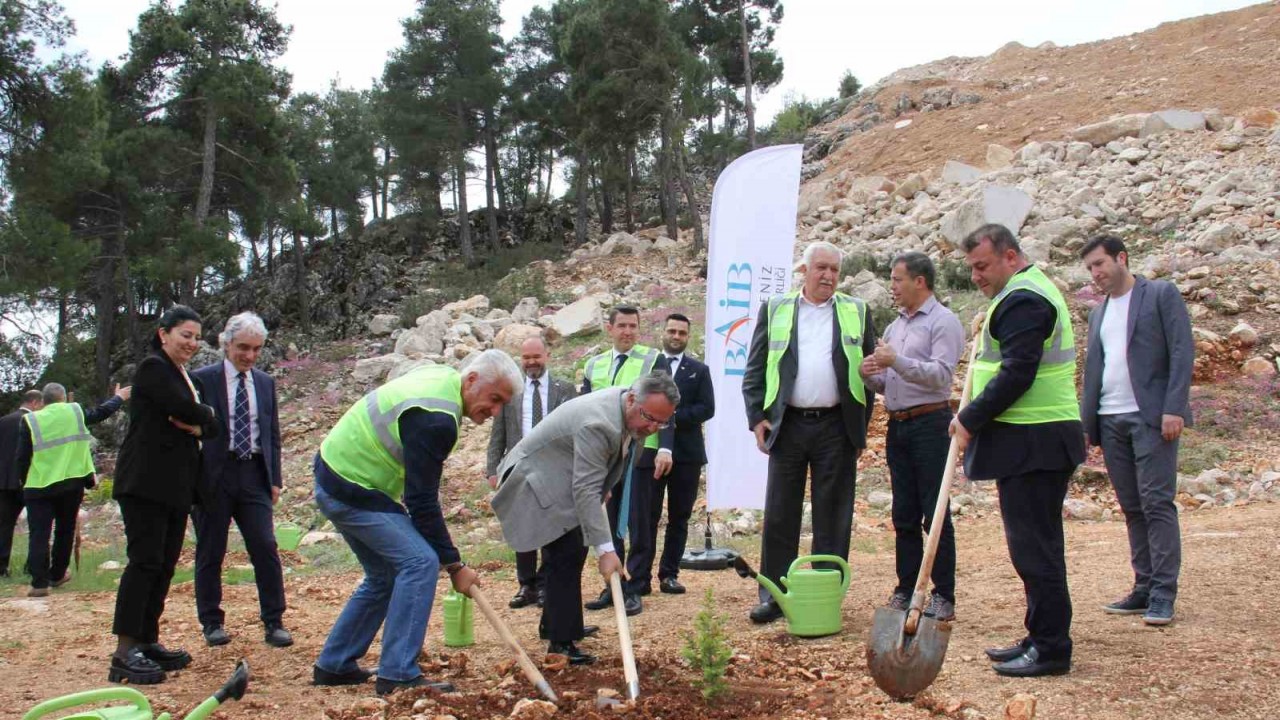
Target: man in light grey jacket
x=552 y=484
x=1135 y=402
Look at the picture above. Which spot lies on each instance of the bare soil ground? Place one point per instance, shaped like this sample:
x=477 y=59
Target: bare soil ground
x=1219 y=659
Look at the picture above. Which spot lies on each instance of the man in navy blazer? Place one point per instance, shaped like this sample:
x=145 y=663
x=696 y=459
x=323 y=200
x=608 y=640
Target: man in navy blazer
x=677 y=464
x=1137 y=383
x=241 y=480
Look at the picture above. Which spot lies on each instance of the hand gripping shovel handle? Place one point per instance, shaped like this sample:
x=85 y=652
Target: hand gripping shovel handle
x=939 y=510
x=624 y=638
x=526 y=665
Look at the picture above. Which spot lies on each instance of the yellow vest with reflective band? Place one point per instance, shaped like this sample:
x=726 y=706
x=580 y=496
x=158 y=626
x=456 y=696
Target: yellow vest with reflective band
x=850 y=313
x=1052 y=396
x=60 y=447
x=640 y=361
x=365 y=448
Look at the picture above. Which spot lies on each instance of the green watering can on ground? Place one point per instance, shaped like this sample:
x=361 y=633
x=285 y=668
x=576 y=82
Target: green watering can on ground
x=813 y=597
x=459 y=620
x=135 y=705
x=288 y=535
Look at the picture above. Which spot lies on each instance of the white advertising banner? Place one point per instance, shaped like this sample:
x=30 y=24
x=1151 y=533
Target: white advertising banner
x=753 y=226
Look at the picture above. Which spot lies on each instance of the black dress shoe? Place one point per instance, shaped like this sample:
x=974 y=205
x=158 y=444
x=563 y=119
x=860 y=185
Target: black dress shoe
x=277 y=636
x=524 y=597
x=646 y=590
x=603 y=601
x=671 y=586
x=542 y=596
x=633 y=605
x=587 y=631
x=1029 y=664
x=135 y=668
x=386 y=687
x=766 y=612
x=571 y=651
x=167 y=659
x=216 y=635
x=320 y=676
x=1006 y=654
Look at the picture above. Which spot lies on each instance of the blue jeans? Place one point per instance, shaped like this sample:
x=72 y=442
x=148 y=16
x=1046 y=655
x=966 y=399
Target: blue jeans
x=399 y=586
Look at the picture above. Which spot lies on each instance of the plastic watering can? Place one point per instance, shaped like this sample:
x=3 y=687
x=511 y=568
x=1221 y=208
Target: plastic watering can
x=129 y=704
x=459 y=620
x=813 y=596
x=288 y=535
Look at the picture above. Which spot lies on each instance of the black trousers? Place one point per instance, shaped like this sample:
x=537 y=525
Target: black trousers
x=638 y=517
x=681 y=486
x=154 y=534
x=817 y=447
x=244 y=495
x=1031 y=507
x=564 y=559
x=528 y=572
x=52 y=515
x=916 y=451
x=10 y=509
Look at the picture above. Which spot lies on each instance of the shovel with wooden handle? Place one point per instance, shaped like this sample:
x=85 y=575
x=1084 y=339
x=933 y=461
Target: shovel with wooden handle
x=624 y=637
x=526 y=665
x=905 y=650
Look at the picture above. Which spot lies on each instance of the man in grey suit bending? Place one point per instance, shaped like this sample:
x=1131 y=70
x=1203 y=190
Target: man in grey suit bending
x=540 y=395
x=1137 y=379
x=553 y=482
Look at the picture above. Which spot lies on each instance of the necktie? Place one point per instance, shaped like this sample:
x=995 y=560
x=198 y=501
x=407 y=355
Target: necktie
x=624 y=506
x=537 y=405
x=673 y=364
x=243 y=441
x=617 y=367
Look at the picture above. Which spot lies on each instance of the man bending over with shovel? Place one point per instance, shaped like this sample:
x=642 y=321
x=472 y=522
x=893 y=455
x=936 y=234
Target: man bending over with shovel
x=552 y=484
x=1023 y=430
x=389 y=449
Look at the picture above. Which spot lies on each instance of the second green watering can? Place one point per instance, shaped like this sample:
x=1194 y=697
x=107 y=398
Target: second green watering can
x=813 y=595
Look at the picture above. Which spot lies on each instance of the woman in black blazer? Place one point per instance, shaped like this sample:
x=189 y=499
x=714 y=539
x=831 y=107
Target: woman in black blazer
x=156 y=476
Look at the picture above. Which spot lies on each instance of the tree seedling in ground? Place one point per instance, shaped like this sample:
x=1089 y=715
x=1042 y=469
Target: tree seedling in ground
x=707 y=650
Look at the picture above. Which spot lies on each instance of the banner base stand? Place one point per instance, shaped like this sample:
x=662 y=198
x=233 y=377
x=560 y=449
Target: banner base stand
x=708 y=558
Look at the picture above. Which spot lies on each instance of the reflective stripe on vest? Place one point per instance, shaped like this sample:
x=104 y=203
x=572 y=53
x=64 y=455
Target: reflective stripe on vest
x=1052 y=395
x=599 y=367
x=365 y=448
x=850 y=313
x=60 y=445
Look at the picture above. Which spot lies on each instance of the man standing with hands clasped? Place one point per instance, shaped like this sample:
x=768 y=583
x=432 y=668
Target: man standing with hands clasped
x=1137 y=385
x=912 y=367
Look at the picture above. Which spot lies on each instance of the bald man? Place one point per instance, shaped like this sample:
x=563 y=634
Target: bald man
x=540 y=395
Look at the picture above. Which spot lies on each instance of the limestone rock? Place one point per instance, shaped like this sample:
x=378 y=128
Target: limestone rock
x=1214 y=120
x=880 y=499
x=1259 y=117
x=1218 y=236
x=912 y=185
x=474 y=305
x=1078 y=152
x=528 y=709
x=871 y=184
x=1007 y=206
x=1133 y=155
x=316 y=536
x=1166 y=120
x=407 y=366
x=958 y=223
x=998 y=157
x=526 y=311
x=374 y=369
x=959 y=173
x=582 y=317
x=1258 y=367
x=1020 y=707
x=1077 y=509
x=1244 y=335
x=510 y=338
x=383 y=324
x=1106 y=131
x=1229 y=143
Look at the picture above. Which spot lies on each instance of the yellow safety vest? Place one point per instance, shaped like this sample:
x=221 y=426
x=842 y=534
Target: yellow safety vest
x=1052 y=396
x=640 y=362
x=365 y=448
x=60 y=445
x=850 y=314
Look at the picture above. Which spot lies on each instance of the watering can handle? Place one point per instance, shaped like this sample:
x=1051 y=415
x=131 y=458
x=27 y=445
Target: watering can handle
x=139 y=701
x=810 y=559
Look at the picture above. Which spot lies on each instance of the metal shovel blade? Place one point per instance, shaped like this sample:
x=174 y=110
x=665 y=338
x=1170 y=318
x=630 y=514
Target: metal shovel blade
x=903 y=665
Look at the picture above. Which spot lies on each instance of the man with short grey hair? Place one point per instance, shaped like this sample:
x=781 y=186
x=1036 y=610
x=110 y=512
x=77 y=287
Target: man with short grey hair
x=55 y=459
x=241 y=480
x=912 y=367
x=552 y=484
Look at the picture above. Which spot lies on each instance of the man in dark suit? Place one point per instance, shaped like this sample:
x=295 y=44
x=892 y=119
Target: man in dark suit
x=676 y=470
x=241 y=480
x=1023 y=430
x=11 y=430
x=540 y=395
x=809 y=410
x=1137 y=386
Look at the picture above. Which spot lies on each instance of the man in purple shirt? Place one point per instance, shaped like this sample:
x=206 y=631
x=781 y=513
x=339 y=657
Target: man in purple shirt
x=912 y=367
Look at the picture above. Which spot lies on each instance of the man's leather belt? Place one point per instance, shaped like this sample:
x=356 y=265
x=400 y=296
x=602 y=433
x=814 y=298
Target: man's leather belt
x=813 y=413
x=917 y=411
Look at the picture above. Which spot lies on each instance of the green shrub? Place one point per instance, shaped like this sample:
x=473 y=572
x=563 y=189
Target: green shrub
x=707 y=650
x=99 y=494
x=954 y=274
x=855 y=263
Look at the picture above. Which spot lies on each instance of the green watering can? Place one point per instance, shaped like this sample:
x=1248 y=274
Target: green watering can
x=288 y=535
x=137 y=707
x=459 y=623
x=813 y=597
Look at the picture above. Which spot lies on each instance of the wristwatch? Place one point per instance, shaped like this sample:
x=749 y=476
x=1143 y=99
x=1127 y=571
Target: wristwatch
x=453 y=567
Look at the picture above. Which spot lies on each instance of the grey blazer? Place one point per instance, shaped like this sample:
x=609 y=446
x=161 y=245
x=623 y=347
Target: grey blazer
x=555 y=478
x=1160 y=359
x=508 y=427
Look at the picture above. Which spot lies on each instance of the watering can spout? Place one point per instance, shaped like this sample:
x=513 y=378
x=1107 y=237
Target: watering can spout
x=744 y=570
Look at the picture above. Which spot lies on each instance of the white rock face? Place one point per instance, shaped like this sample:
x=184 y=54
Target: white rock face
x=1108 y=130
x=383 y=324
x=1008 y=206
x=374 y=369
x=959 y=173
x=583 y=317
x=1166 y=120
x=526 y=311
x=510 y=338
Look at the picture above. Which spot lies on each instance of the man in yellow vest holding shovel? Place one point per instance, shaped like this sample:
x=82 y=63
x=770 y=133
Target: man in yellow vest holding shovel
x=55 y=456
x=1023 y=430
